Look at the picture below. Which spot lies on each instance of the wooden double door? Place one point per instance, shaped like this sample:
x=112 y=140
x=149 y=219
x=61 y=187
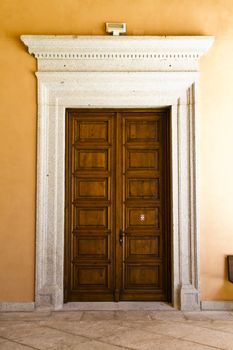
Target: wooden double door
x=117 y=215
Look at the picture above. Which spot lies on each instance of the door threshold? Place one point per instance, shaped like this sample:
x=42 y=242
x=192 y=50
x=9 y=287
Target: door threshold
x=122 y=306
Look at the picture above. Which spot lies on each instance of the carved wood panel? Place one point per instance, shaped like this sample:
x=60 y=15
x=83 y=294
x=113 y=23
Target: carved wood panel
x=117 y=182
x=144 y=219
x=90 y=186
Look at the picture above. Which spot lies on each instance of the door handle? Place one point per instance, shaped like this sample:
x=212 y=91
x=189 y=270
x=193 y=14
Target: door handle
x=121 y=236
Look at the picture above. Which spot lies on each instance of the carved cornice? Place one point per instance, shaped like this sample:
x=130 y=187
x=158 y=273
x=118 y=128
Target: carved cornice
x=125 y=53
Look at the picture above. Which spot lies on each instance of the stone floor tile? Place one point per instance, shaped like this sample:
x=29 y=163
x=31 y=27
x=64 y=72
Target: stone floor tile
x=197 y=316
x=175 y=344
x=66 y=315
x=91 y=345
x=167 y=315
x=140 y=340
x=135 y=339
x=8 y=345
x=12 y=330
x=226 y=326
x=219 y=315
x=90 y=329
x=122 y=305
x=133 y=315
x=197 y=323
x=210 y=337
x=45 y=338
x=24 y=316
x=112 y=330
x=146 y=306
x=91 y=306
x=177 y=330
x=135 y=324
x=98 y=315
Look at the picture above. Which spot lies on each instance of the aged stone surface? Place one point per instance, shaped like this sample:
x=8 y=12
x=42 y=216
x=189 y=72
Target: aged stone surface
x=136 y=330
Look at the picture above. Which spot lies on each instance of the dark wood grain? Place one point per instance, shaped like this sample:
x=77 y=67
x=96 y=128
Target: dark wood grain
x=117 y=179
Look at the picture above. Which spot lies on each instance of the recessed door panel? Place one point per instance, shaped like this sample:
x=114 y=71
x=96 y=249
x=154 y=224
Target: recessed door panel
x=86 y=247
x=142 y=217
x=142 y=131
x=91 y=159
x=90 y=277
x=142 y=277
x=142 y=247
x=91 y=131
x=91 y=188
x=91 y=217
x=142 y=159
x=143 y=188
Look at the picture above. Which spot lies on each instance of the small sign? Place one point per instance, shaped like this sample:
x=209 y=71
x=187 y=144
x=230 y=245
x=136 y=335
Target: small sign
x=116 y=28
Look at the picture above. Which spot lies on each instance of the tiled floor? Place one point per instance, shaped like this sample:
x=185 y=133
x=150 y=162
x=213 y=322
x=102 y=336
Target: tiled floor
x=116 y=330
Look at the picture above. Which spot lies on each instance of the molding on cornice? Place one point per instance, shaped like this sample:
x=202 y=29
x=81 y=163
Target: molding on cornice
x=133 y=53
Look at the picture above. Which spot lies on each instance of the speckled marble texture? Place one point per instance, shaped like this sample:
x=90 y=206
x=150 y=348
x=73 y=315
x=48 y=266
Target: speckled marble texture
x=112 y=330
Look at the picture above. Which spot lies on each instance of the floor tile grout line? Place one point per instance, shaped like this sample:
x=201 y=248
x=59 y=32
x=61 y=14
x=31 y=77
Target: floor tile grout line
x=191 y=325
x=20 y=343
x=36 y=323
x=210 y=328
x=67 y=332
x=180 y=338
x=3 y=339
x=218 y=330
x=99 y=339
x=167 y=336
x=129 y=328
x=81 y=317
x=117 y=345
x=195 y=342
x=162 y=334
x=90 y=339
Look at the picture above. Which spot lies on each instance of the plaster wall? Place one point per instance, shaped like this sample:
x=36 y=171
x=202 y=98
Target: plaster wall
x=18 y=122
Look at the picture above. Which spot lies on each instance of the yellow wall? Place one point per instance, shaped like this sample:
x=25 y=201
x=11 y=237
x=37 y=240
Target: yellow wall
x=18 y=121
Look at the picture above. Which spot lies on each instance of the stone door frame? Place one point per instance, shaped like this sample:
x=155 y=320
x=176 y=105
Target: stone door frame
x=122 y=72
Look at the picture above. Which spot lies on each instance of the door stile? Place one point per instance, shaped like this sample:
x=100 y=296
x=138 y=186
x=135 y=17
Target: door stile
x=67 y=209
x=167 y=206
x=123 y=176
x=118 y=206
x=113 y=190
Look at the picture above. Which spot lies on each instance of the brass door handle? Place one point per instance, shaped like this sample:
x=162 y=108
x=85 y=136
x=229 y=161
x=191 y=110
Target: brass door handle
x=121 y=236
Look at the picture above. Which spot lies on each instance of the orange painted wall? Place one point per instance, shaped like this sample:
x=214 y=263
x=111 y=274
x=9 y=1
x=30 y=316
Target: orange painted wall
x=18 y=121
